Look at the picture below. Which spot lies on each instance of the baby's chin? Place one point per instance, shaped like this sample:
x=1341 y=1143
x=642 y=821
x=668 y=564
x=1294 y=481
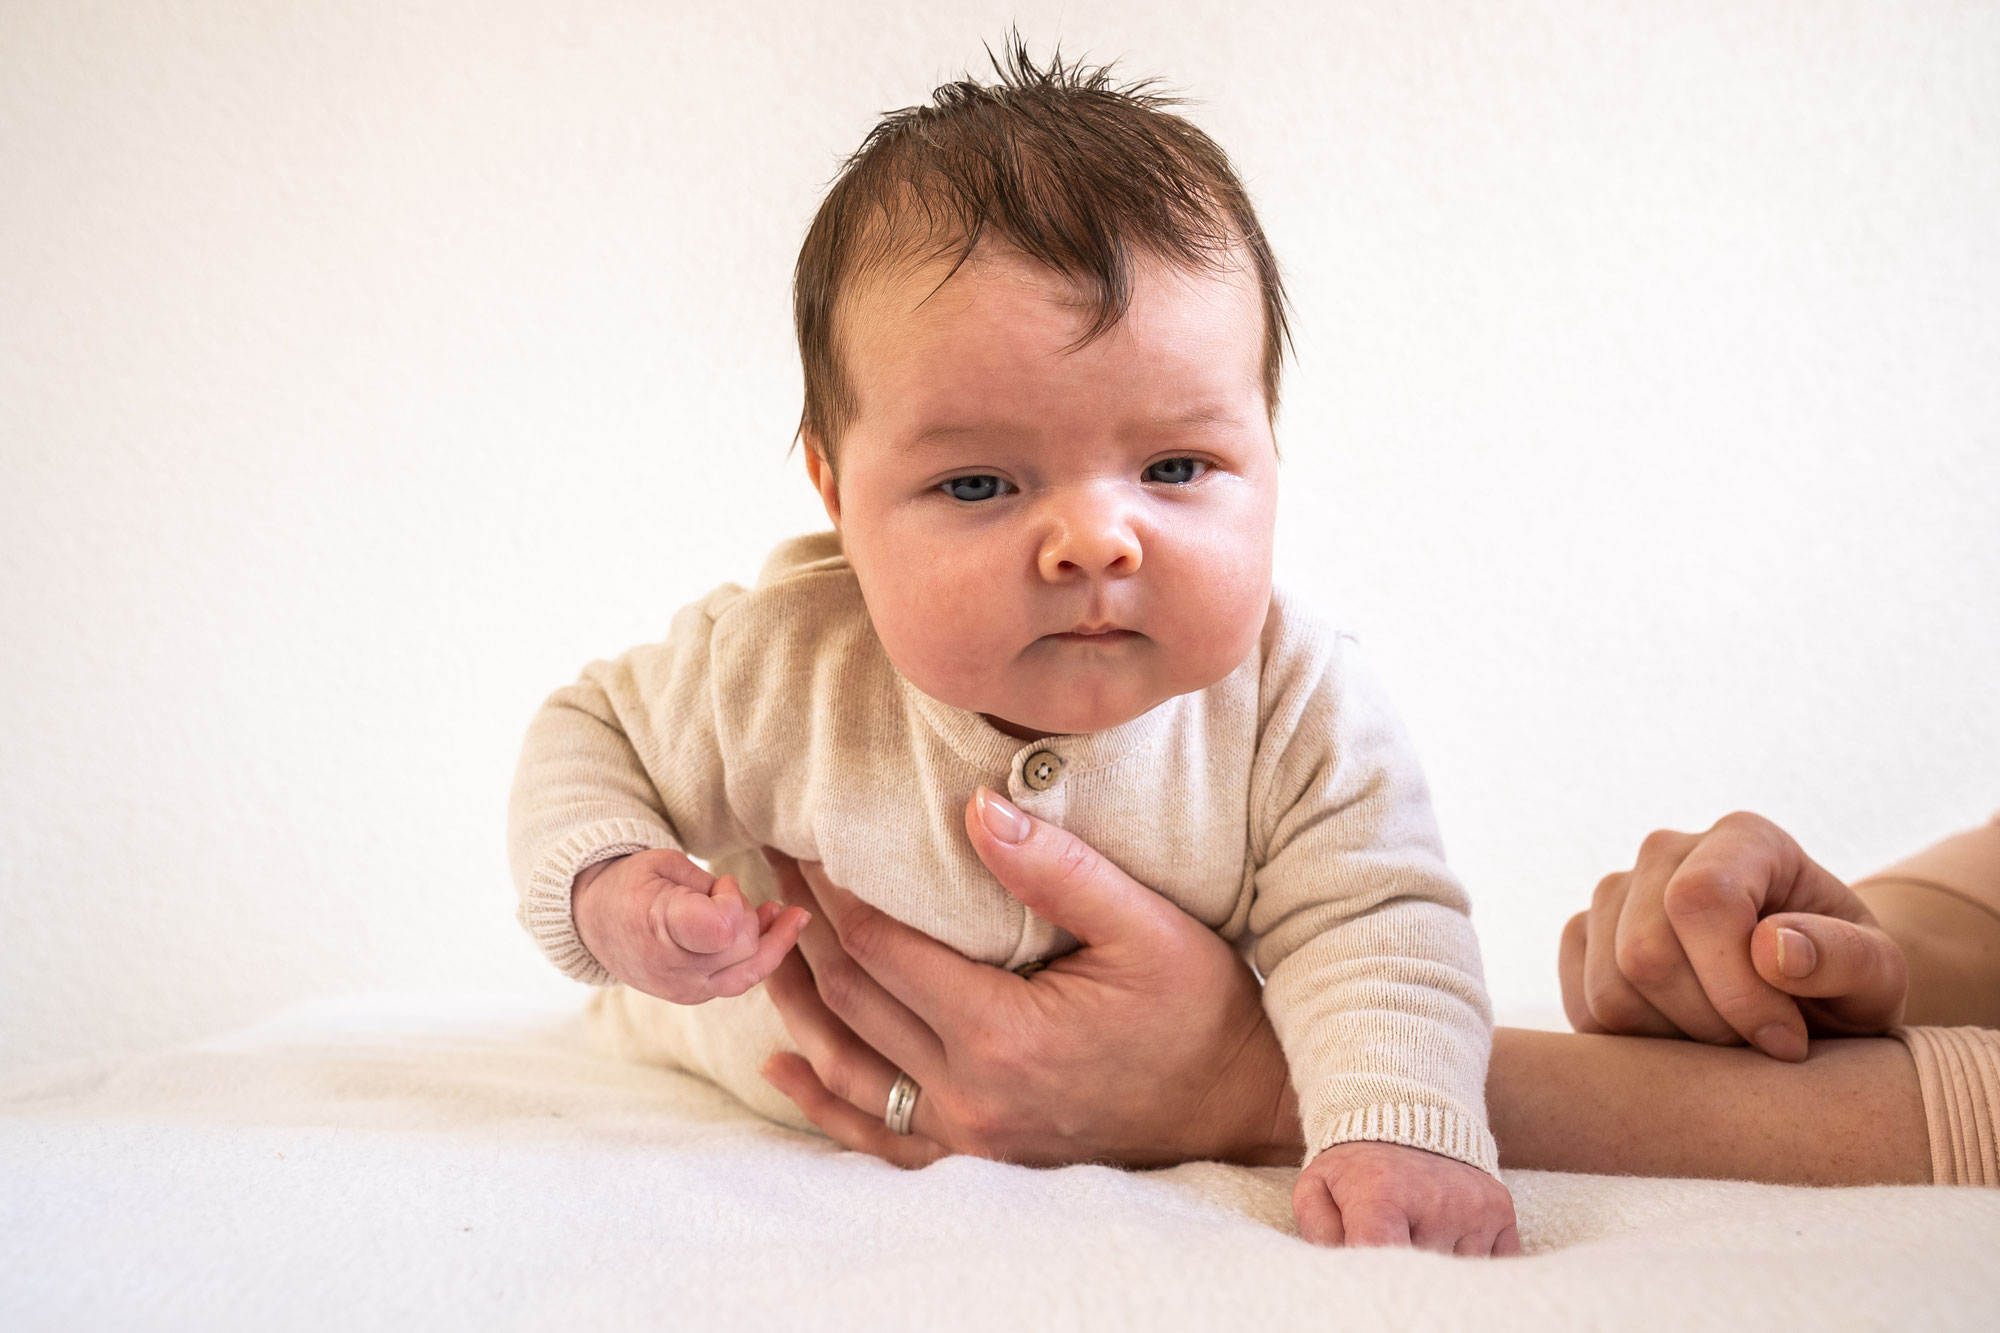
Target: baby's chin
x=1072 y=713
x=1063 y=724
x=1044 y=699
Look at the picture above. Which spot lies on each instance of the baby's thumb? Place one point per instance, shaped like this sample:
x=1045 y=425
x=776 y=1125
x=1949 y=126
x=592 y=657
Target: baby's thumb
x=1856 y=972
x=1058 y=875
x=705 y=922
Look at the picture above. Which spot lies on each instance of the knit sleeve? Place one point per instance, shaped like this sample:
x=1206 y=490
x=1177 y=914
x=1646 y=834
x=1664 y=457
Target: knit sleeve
x=1372 y=971
x=625 y=759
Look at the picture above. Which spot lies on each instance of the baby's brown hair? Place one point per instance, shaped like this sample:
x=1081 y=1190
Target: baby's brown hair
x=1062 y=164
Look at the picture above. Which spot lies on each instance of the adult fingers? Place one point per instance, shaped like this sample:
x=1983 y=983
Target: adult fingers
x=1650 y=953
x=1614 y=1003
x=1712 y=902
x=1569 y=968
x=1318 y=1216
x=843 y=1122
x=1798 y=883
x=934 y=987
x=845 y=1065
x=1061 y=877
x=1854 y=974
x=872 y=1012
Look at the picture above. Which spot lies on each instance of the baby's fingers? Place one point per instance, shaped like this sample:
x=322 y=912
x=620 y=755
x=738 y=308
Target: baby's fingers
x=1377 y=1222
x=699 y=923
x=1476 y=1237
x=771 y=950
x=1318 y=1216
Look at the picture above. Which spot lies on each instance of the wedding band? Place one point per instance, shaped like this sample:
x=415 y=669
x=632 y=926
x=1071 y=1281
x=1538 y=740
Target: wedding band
x=902 y=1104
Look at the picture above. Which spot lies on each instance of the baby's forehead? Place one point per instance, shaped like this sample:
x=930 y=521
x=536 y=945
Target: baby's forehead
x=910 y=281
x=1000 y=343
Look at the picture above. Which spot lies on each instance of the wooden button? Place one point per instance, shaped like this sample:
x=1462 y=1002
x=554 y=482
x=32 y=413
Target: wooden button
x=1042 y=769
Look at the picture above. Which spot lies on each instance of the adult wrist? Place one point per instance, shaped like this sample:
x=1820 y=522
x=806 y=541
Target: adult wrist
x=1261 y=1126
x=1283 y=1141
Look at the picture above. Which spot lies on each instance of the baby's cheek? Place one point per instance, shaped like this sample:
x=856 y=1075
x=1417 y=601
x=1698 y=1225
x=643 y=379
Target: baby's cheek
x=949 y=650
x=1219 y=624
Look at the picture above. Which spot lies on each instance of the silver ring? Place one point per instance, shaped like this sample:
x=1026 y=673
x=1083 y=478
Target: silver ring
x=902 y=1104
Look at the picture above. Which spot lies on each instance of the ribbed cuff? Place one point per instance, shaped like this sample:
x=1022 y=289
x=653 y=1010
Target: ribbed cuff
x=1958 y=1074
x=1432 y=1128
x=545 y=906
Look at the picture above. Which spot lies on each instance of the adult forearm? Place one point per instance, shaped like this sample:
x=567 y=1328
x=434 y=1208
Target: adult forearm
x=1850 y=1115
x=1942 y=909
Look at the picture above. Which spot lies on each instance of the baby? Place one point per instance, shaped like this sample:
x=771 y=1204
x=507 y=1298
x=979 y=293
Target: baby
x=1042 y=333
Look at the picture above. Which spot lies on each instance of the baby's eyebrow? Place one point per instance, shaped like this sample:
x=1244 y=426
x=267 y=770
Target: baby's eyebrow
x=944 y=433
x=1194 y=416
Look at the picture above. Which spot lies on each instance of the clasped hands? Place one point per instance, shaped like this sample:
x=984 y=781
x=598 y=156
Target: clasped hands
x=1733 y=935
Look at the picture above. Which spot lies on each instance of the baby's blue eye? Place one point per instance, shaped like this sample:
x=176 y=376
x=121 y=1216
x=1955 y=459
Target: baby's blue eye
x=1176 y=471
x=975 y=488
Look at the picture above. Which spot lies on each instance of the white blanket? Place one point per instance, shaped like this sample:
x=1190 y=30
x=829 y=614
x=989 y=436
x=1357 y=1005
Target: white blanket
x=467 y=1163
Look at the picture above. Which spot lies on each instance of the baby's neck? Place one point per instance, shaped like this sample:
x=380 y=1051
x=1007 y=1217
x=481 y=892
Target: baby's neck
x=1015 y=729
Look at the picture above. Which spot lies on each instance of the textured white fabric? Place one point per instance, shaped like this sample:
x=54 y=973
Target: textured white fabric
x=443 y=1164
x=1281 y=805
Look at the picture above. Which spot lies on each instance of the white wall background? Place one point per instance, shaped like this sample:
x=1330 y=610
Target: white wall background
x=367 y=367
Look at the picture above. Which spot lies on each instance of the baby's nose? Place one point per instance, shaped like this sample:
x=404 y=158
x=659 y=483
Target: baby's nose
x=1091 y=540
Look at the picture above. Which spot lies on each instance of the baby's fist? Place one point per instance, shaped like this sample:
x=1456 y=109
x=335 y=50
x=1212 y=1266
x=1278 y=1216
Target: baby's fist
x=1387 y=1194
x=661 y=924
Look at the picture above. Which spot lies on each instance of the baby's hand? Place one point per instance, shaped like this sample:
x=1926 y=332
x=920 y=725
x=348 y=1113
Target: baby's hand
x=661 y=924
x=1387 y=1194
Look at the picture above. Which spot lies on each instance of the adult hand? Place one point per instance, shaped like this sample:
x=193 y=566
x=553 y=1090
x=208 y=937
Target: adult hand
x=1726 y=936
x=1147 y=1045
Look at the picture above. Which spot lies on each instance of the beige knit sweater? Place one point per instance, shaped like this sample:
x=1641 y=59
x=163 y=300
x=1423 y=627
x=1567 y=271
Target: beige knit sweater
x=1282 y=806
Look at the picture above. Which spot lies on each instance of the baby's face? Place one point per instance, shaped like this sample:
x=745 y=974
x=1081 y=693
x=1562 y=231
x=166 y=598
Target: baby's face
x=1058 y=539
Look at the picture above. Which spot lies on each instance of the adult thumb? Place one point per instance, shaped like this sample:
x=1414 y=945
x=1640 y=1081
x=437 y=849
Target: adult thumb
x=1058 y=875
x=1854 y=973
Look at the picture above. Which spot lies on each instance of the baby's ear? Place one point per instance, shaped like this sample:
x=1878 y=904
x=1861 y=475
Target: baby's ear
x=820 y=469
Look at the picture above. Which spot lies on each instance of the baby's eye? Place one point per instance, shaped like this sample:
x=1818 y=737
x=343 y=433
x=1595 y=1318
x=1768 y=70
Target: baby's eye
x=975 y=488
x=1176 y=471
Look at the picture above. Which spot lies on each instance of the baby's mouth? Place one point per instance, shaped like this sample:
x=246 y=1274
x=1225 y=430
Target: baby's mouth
x=1099 y=634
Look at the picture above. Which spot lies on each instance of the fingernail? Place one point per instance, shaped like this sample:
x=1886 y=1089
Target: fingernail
x=1002 y=820
x=1780 y=1042
x=1796 y=955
